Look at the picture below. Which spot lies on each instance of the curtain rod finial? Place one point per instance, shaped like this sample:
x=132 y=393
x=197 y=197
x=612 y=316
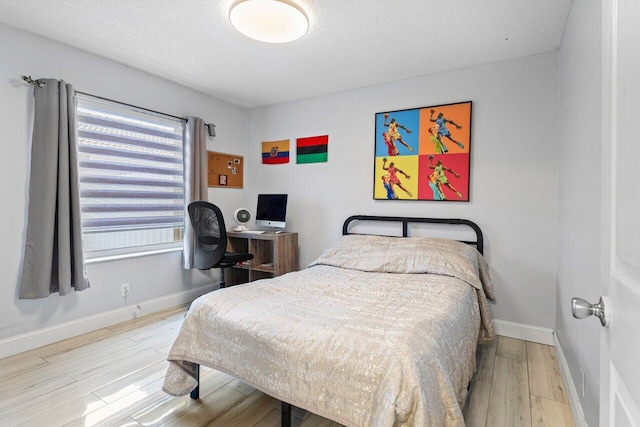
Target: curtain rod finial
x=211 y=129
x=30 y=80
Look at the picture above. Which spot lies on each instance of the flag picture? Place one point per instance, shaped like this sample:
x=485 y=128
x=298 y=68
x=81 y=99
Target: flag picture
x=312 y=149
x=275 y=152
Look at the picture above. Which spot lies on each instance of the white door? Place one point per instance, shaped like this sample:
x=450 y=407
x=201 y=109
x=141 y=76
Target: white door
x=620 y=340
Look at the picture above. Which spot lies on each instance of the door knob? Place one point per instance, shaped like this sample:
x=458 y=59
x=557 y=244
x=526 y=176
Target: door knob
x=582 y=309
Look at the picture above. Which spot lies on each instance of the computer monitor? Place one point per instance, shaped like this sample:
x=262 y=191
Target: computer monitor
x=271 y=210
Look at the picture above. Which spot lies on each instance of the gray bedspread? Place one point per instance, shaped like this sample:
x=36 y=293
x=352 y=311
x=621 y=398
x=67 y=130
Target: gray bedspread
x=367 y=336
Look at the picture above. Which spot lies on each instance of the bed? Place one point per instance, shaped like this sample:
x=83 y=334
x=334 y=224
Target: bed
x=378 y=331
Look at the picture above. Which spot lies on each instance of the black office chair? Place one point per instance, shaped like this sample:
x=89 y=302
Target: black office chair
x=211 y=239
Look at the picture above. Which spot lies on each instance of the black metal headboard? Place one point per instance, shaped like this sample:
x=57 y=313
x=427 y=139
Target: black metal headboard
x=479 y=243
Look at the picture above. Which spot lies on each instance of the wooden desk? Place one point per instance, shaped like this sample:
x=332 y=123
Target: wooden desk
x=274 y=255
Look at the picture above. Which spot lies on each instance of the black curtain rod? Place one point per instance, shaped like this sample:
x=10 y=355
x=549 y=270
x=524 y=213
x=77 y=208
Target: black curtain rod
x=211 y=126
x=132 y=106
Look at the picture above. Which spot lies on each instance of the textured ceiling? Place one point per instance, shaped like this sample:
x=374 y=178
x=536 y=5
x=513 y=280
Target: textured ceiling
x=350 y=43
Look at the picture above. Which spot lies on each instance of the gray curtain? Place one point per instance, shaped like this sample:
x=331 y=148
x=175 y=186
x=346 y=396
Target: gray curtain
x=195 y=179
x=53 y=258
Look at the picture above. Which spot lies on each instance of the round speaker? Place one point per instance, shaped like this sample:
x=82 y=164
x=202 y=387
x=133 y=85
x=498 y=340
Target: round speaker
x=241 y=216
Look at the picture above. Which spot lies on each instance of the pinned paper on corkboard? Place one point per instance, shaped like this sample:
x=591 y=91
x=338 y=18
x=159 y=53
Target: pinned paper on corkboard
x=225 y=170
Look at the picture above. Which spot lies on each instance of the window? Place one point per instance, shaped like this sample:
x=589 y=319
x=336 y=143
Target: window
x=131 y=178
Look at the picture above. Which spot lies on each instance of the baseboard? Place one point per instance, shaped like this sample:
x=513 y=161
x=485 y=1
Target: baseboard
x=30 y=340
x=572 y=393
x=522 y=331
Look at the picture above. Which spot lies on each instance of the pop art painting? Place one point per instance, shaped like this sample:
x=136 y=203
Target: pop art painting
x=423 y=153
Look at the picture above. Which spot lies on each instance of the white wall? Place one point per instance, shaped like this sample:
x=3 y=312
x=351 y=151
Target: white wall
x=150 y=277
x=514 y=172
x=579 y=146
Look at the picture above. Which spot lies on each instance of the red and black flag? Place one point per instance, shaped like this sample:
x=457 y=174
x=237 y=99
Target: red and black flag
x=312 y=149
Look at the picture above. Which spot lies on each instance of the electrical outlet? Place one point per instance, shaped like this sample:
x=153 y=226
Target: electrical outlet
x=125 y=289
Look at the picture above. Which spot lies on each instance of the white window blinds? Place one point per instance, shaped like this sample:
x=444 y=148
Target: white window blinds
x=131 y=177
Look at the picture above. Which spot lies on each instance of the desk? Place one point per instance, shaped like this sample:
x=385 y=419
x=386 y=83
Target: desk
x=274 y=255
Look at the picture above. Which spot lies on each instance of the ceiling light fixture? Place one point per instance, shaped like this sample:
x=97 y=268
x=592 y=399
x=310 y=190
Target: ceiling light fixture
x=270 y=21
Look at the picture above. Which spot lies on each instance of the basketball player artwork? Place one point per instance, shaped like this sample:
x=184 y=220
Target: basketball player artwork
x=423 y=153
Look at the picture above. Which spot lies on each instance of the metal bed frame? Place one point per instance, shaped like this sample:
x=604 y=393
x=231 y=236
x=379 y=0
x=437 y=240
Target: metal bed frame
x=478 y=243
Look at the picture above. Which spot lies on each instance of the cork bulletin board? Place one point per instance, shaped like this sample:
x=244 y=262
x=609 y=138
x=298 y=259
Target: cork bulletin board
x=225 y=170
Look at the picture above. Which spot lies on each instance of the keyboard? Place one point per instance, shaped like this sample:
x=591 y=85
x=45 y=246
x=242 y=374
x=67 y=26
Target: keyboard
x=251 y=231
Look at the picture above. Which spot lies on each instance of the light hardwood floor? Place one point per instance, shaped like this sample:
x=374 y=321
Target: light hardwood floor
x=114 y=376
x=517 y=383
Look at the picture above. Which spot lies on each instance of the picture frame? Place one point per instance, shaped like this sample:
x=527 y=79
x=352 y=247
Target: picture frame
x=423 y=153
